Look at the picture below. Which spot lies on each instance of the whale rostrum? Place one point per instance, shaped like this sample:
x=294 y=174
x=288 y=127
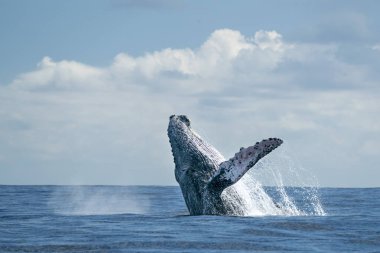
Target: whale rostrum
x=203 y=173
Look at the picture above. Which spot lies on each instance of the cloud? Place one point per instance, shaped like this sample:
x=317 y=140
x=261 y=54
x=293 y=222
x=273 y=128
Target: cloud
x=263 y=60
x=108 y=125
x=60 y=75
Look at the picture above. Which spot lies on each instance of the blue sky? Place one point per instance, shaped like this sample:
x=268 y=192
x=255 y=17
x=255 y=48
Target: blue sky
x=86 y=87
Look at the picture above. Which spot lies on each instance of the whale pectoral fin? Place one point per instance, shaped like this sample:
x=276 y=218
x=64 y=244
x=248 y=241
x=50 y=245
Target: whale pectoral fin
x=231 y=171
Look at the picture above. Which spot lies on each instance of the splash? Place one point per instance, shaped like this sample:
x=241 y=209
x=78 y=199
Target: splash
x=289 y=189
x=96 y=200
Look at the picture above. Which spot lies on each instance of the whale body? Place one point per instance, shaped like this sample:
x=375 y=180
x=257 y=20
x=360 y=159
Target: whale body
x=203 y=173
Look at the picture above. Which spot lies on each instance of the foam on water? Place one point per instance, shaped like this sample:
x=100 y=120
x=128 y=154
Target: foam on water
x=278 y=172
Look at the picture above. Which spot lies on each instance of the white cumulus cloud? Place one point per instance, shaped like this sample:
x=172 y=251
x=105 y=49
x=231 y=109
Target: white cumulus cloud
x=108 y=124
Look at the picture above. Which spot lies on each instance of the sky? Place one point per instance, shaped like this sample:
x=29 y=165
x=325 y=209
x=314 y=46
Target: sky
x=87 y=87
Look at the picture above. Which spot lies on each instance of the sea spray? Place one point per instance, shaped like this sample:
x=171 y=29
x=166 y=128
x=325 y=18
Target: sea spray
x=289 y=189
x=97 y=200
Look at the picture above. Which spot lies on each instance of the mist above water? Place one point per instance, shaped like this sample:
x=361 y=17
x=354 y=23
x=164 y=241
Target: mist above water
x=97 y=200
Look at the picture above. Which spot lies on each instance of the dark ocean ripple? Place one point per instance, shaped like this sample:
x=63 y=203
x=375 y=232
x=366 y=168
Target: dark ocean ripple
x=154 y=219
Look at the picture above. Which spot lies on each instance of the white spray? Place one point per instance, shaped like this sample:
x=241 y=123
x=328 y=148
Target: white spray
x=97 y=200
x=290 y=190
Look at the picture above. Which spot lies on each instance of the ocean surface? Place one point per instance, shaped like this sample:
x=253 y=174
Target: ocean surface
x=155 y=219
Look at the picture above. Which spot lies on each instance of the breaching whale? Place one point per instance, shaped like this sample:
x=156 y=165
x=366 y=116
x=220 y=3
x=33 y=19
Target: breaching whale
x=203 y=173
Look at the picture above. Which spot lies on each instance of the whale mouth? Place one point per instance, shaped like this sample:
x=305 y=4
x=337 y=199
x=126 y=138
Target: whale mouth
x=181 y=118
x=179 y=130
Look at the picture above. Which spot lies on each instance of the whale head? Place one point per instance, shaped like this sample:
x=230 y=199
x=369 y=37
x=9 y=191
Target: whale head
x=181 y=139
x=195 y=161
x=180 y=135
x=190 y=149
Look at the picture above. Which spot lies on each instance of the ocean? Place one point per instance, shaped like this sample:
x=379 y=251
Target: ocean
x=155 y=219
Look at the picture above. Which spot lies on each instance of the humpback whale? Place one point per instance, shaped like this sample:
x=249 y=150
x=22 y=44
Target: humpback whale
x=203 y=173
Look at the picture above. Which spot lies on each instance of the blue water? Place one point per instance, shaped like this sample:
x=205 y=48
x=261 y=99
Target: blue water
x=155 y=219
